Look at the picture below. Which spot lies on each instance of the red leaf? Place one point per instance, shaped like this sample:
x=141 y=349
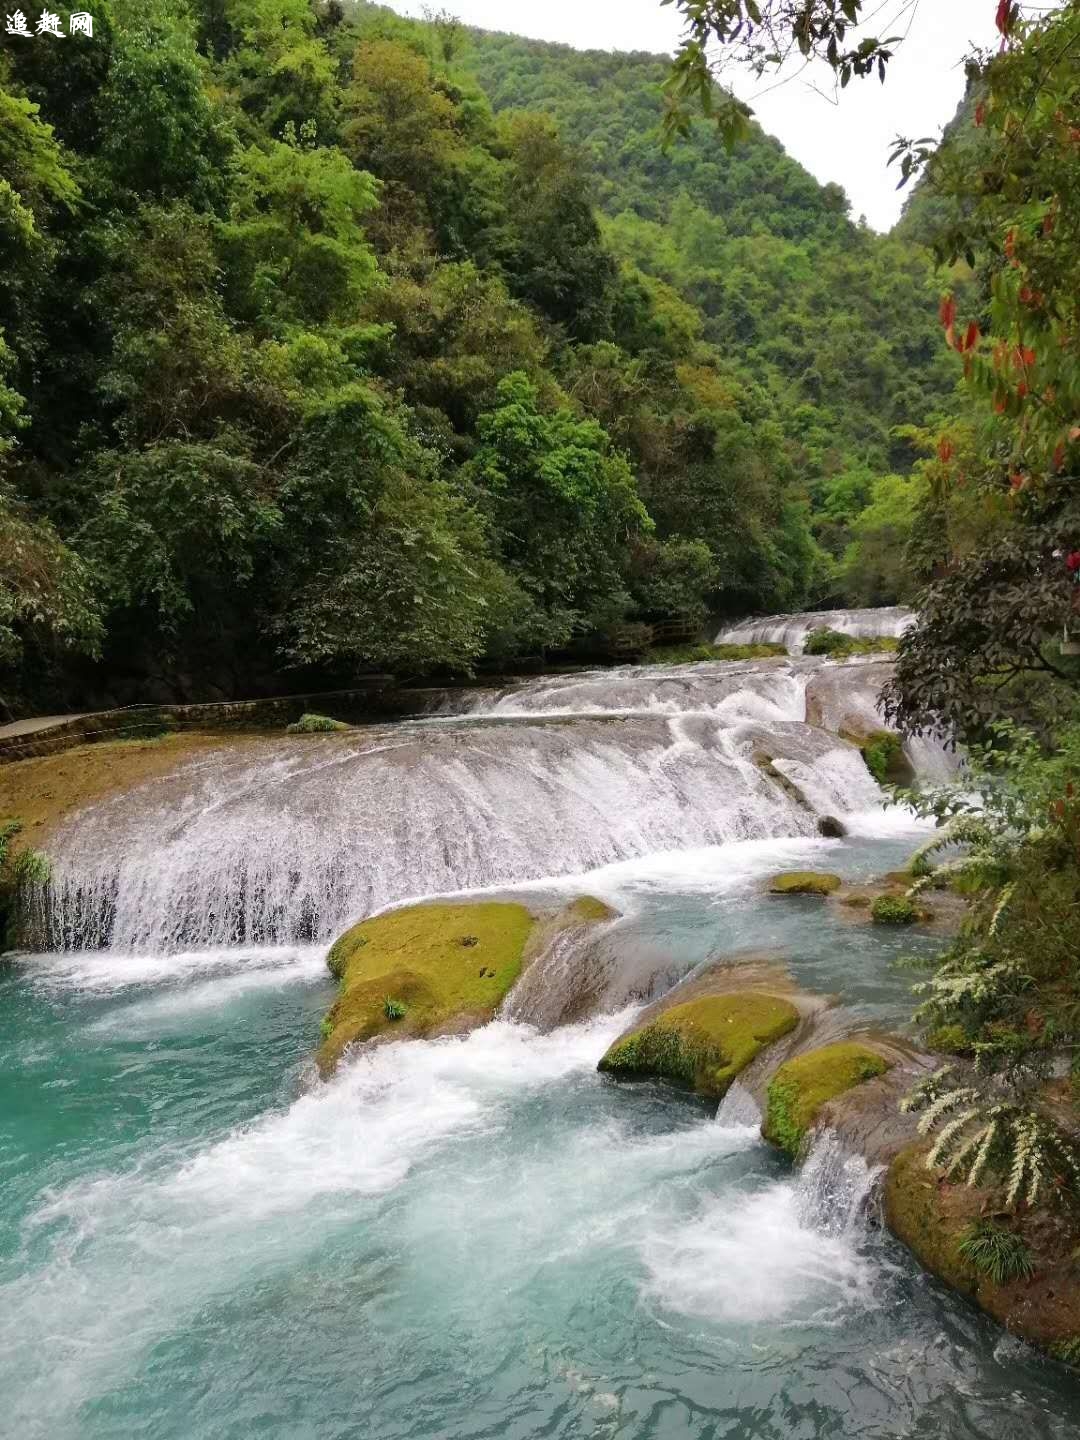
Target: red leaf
x=945 y=449
x=980 y=113
x=947 y=311
x=971 y=339
x=1072 y=562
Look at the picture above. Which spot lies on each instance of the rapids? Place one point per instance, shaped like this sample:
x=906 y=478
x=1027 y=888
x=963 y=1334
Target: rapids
x=477 y=1236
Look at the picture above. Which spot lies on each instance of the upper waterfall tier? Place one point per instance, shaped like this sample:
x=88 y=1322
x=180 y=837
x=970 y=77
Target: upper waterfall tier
x=792 y=630
x=291 y=838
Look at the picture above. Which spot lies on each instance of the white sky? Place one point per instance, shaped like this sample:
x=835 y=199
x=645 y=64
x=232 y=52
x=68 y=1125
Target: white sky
x=848 y=141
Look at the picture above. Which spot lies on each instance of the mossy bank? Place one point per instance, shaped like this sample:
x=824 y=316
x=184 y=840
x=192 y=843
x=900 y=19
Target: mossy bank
x=1040 y=1301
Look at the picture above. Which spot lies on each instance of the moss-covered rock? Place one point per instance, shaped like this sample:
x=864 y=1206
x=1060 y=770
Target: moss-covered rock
x=895 y=910
x=310 y=724
x=804 y=882
x=446 y=966
x=586 y=910
x=802 y=1086
x=704 y=1043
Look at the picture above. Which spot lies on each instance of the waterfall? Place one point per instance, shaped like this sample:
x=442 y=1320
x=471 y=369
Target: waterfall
x=290 y=839
x=835 y=1187
x=738 y=1107
x=792 y=630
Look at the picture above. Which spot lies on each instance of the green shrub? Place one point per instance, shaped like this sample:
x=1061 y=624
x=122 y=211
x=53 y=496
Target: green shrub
x=839 y=646
x=826 y=642
x=894 y=910
x=996 y=1252
x=949 y=1040
x=28 y=867
x=979 y=1135
x=314 y=725
x=1067 y=1351
x=884 y=755
x=394 y=1009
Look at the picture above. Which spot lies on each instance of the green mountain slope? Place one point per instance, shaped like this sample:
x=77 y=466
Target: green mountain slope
x=838 y=322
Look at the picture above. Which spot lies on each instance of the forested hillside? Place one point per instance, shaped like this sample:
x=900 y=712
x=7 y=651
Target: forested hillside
x=838 y=322
x=315 y=356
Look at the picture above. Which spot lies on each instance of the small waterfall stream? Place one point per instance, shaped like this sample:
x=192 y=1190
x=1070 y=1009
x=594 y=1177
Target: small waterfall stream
x=792 y=630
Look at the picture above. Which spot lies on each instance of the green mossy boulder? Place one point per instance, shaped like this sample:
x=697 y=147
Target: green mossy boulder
x=445 y=966
x=804 y=882
x=315 y=725
x=704 y=1043
x=802 y=1086
x=895 y=910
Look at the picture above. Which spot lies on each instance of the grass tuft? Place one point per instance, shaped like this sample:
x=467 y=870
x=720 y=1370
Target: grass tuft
x=996 y=1252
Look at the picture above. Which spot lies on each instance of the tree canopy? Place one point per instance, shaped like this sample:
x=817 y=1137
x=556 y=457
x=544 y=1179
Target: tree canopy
x=340 y=340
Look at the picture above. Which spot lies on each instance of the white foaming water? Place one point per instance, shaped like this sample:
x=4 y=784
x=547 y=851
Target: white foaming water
x=835 y=1188
x=787 y=1252
x=106 y=972
x=753 y=1257
x=792 y=630
x=770 y=690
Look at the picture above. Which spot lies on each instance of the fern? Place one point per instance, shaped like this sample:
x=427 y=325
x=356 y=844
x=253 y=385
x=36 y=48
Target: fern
x=976 y=1134
x=1001 y=907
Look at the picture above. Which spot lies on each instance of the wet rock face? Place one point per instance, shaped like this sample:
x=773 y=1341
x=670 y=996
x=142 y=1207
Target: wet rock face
x=867 y=1117
x=831 y=828
x=578 y=964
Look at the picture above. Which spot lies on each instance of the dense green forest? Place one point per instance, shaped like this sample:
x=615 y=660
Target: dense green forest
x=316 y=355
